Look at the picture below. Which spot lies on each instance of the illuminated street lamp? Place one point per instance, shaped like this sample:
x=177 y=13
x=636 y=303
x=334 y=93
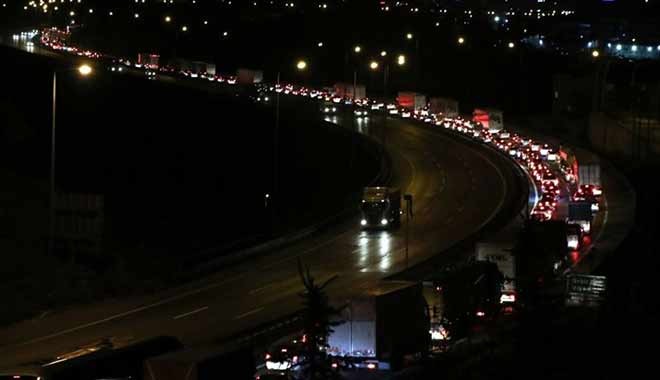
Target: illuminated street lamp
x=401 y=60
x=184 y=28
x=357 y=49
x=461 y=40
x=595 y=54
x=511 y=45
x=409 y=36
x=168 y=19
x=301 y=65
x=373 y=65
x=84 y=70
x=383 y=53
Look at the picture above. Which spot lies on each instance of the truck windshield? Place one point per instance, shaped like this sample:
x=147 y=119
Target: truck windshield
x=367 y=206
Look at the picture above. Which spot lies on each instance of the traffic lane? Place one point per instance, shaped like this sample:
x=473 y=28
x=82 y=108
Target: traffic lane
x=228 y=298
x=218 y=300
x=271 y=298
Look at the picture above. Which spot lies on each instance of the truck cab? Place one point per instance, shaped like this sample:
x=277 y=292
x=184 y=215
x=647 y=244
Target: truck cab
x=380 y=207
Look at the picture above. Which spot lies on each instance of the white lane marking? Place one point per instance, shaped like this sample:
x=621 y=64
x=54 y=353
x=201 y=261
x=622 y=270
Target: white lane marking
x=257 y=290
x=129 y=312
x=191 y=312
x=248 y=313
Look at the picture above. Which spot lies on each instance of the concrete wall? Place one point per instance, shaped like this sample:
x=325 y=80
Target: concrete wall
x=621 y=135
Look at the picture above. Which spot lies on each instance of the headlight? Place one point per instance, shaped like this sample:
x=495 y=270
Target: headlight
x=383 y=222
x=363 y=222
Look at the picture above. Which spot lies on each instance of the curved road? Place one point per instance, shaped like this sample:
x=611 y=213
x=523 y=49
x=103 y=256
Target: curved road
x=457 y=188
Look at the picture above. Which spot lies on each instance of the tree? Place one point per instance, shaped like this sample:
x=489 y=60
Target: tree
x=319 y=317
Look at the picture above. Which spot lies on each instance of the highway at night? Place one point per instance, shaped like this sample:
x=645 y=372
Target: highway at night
x=447 y=178
x=327 y=189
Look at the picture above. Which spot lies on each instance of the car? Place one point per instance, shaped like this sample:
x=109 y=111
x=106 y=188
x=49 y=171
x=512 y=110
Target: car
x=274 y=376
x=151 y=74
x=360 y=112
x=328 y=108
x=594 y=190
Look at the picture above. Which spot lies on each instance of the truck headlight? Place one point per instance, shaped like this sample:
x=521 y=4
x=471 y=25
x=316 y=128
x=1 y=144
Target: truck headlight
x=363 y=222
x=383 y=222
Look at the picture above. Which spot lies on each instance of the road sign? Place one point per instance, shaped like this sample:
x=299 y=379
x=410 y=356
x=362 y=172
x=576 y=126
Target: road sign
x=585 y=290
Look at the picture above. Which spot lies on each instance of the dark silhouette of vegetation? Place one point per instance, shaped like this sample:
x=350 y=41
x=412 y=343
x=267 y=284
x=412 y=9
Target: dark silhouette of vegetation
x=319 y=317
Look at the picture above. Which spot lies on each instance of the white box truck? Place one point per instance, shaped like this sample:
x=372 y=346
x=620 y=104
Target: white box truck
x=383 y=327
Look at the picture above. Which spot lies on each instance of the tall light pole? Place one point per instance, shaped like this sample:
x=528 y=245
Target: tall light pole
x=84 y=70
x=357 y=49
x=301 y=65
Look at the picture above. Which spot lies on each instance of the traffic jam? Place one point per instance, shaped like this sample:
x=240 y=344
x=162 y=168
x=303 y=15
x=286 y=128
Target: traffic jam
x=561 y=190
x=553 y=172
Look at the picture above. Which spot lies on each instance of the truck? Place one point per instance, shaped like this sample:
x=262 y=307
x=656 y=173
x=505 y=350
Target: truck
x=349 y=90
x=502 y=256
x=101 y=360
x=589 y=172
x=444 y=107
x=382 y=327
x=380 y=207
x=227 y=361
x=411 y=100
x=542 y=250
x=149 y=61
x=199 y=67
x=580 y=213
x=491 y=119
x=249 y=76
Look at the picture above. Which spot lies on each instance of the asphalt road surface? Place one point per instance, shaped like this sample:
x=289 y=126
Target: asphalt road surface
x=457 y=187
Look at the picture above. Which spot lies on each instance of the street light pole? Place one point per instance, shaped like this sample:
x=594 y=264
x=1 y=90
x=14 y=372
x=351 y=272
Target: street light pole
x=83 y=70
x=276 y=133
x=354 y=84
x=51 y=218
x=386 y=73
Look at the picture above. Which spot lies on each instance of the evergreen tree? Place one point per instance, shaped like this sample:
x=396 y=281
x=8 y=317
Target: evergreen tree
x=319 y=317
